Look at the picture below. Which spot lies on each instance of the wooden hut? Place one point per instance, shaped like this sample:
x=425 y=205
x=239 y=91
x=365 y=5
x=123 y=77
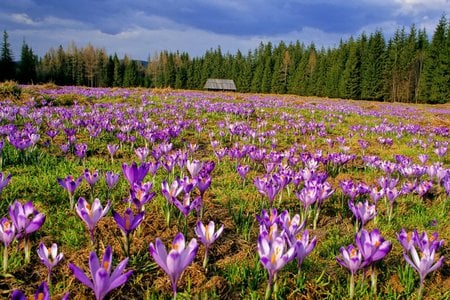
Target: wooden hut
x=220 y=85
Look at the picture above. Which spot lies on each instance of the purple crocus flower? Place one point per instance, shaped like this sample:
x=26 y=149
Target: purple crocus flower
x=91 y=215
x=194 y=167
x=4 y=180
x=80 y=150
x=27 y=220
x=441 y=151
x=176 y=260
x=91 y=177
x=112 y=149
x=423 y=158
x=42 y=293
x=308 y=196
x=372 y=245
x=243 y=170
x=446 y=185
x=303 y=246
x=187 y=205
x=135 y=173
x=351 y=258
x=203 y=183
x=49 y=257
x=7 y=231
x=70 y=184
x=171 y=192
x=7 y=235
x=291 y=226
x=273 y=254
x=128 y=223
x=363 y=212
x=424 y=259
x=141 y=194
x=111 y=179
x=142 y=153
x=423 y=188
x=207 y=236
x=103 y=280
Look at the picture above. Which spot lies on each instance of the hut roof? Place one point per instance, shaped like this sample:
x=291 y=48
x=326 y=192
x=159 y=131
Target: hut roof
x=220 y=84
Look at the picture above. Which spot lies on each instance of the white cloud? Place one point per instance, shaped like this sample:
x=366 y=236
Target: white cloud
x=22 y=19
x=417 y=7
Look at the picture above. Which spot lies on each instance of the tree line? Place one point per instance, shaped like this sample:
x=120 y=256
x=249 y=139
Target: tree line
x=408 y=67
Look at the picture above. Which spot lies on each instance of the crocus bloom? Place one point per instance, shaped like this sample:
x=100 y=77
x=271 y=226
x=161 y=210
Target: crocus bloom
x=272 y=255
x=91 y=215
x=7 y=235
x=70 y=184
x=243 y=170
x=351 y=258
x=425 y=260
x=265 y=220
x=91 y=177
x=133 y=173
x=128 y=223
x=187 y=205
x=372 y=245
x=4 y=180
x=194 y=167
x=177 y=259
x=80 y=150
x=171 y=192
x=26 y=218
x=291 y=226
x=308 y=196
x=111 y=179
x=141 y=194
x=207 y=236
x=7 y=232
x=49 y=258
x=142 y=153
x=203 y=183
x=303 y=246
x=363 y=212
x=42 y=293
x=103 y=281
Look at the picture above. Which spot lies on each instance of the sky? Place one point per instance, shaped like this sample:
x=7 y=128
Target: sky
x=143 y=28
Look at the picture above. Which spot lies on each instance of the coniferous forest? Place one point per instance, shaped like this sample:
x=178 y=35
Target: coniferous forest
x=410 y=66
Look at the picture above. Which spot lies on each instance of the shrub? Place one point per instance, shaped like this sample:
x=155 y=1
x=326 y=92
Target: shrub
x=10 y=89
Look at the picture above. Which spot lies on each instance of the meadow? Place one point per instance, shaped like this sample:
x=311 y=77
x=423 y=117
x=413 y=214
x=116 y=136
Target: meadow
x=318 y=198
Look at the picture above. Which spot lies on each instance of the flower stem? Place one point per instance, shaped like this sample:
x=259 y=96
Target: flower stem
x=268 y=289
x=27 y=250
x=316 y=218
x=420 y=291
x=205 y=260
x=373 y=279
x=352 y=285
x=5 y=259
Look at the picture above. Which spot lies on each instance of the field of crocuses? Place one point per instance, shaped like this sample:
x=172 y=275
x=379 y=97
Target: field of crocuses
x=149 y=194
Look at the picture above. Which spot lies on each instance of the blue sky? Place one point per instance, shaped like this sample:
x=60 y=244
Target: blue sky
x=142 y=28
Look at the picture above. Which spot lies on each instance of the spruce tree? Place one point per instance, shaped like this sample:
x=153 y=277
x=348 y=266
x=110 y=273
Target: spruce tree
x=7 y=66
x=27 y=65
x=437 y=65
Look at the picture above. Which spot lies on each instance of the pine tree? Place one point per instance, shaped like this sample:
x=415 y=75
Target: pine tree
x=372 y=67
x=7 y=66
x=27 y=66
x=118 y=72
x=437 y=65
